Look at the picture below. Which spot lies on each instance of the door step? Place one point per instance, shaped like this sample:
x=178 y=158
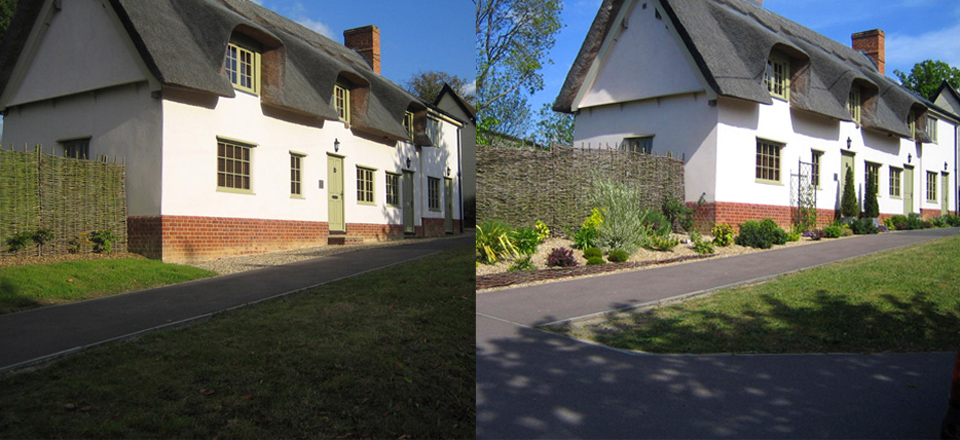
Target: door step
x=341 y=240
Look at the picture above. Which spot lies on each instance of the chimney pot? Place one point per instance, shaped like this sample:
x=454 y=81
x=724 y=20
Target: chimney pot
x=366 y=41
x=872 y=43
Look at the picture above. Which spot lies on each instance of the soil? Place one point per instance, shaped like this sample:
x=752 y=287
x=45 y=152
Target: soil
x=24 y=259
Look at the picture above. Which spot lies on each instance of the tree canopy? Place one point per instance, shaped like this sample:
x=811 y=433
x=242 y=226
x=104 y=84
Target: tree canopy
x=7 y=8
x=554 y=127
x=427 y=85
x=926 y=76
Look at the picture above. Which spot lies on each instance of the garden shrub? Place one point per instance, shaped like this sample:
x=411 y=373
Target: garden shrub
x=655 y=223
x=849 y=207
x=722 y=235
x=586 y=236
x=594 y=261
x=889 y=223
x=592 y=252
x=618 y=256
x=938 y=222
x=793 y=236
x=522 y=264
x=699 y=246
x=526 y=240
x=662 y=243
x=833 y=231
x=679 y=215
x=621 y=227
x=952 y=220
x=543 y=231
x=871 y=206
x=816 y=234
x=846 y=231
x=18 y=241
x=494 y=241
x=761 y=235
x=863 y=227
x=561 y=257
x=915 y=221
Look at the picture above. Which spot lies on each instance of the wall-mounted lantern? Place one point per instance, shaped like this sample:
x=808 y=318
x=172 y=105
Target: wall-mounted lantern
x=448 y=171
x=408 y=162
x=909 y=158
x=336 y=145
x=849 y=142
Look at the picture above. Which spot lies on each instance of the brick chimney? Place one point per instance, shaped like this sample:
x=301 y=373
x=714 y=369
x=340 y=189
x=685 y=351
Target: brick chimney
x=872 y=44
x=366 y=41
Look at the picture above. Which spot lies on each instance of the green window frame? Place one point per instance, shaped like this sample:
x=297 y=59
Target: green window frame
x=777 y=76
x=896 y=177
x=393 y=189
x=931 y=187
x=296 y=175
x=912 y=122
x=853 y=104
x=341 y=100
x=931 y=128
x=365 y=192
x=408 y=124
x=768 y=161
x=815 y=169
x=433 y=193
x=872 y=173
x=242 y=66
x=233 y=166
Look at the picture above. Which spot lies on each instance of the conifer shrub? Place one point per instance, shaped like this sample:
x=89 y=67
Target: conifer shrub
x=617 y=256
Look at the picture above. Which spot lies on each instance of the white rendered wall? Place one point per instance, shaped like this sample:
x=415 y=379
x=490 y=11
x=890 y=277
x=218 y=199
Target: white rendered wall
x=83 y=49
x=646 y=61
x=435 y=162
x=122 y=121
x=190 y=165
x=685 y=125
x=468 y=146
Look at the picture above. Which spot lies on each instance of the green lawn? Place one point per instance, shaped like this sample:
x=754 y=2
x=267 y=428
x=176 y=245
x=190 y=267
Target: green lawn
x=26 y=287
x=385 y=355
x=905 y=300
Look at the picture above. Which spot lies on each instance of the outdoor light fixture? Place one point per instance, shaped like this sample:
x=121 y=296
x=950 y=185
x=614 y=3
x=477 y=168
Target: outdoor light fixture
x=408 y=162
x=909 y=158
x=448 y=169
x=944 y=166
x=848 y=143
x=336 y=145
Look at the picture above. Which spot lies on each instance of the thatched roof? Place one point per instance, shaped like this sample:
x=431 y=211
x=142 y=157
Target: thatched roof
x=183 y=43
x=731 y=40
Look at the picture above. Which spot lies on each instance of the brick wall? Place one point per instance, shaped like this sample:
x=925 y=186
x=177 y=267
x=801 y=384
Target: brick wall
x=144 y=236
x=433 y=227
x=709 y=214
x=374 y=231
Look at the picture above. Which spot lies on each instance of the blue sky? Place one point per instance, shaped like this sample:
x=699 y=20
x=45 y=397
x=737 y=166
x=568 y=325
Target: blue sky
x=915 y=30
x=414 y=36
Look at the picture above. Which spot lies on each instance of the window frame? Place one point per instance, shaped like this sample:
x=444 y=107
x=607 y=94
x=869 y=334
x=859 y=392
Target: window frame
x=296 y=174
x=82 y=144
x=931 y=128
x=224 y=176
x=433 y=194
x=762 y=169
x=867 y=167
x=854 y=104
x=408 y=124
x=931 y=191
x=815 y=158
x=341 y=102
x=912 y=122
x=895 y=180
x=366 y=194
x=392 y=190
x=628 y=144
x=255 y=57
x=772 y=81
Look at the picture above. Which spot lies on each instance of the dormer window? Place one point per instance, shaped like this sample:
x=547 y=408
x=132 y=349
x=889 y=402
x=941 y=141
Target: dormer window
x=931 y=128
x=242 y=66
x=341 y=100
x=777 y=77
x=408 y=124
x=912 y=122
x=853 y=104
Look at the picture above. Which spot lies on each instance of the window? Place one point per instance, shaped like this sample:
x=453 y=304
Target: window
x=895 y=178
x=77 y=148
x=393 y=189
x=408 y=124
x=341 y=100
x=641 y=144
x=768 y=161
x=243 y=68
x=296 y=176
x=815 y=172
x=912 y=122
x=433 y=193
x=853 y=104
x=364 y=185
x=931 y=187
x=777 y=77
x=931 y=128
x=233 y=166
x=872 y=174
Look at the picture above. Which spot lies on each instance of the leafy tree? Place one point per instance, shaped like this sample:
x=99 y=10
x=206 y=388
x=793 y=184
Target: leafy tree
x=554 y=127
x=427 y=85
x=871 y=206
x=507 y=117
x=926 y=77
x=7 y=8
x=512 y=39
x=849 y=207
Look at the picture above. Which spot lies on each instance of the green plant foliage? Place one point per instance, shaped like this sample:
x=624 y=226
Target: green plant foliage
x=662 y=243
x=592 y=252
x=18 y=241
x=595 y=261
x=938 y=222
x=543 y=231
x=678 y=213
x=526 y=240
x=816 y=234
x=890 y=224
x=761 y=235
x=871 y=206
x=522 y=264
x=926 y=76
x=621 y=227
x=584 y=238
x=103 y=241
x=655 y=223
x=494 y=241
x=561 y=257
x=792 y=237
x=849 y=207
x=952 y=220
x=722 y=235
x=618 y=256
x=833 y=231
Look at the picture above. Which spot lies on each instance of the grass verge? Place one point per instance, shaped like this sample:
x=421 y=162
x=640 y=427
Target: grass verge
x=905 y=300
x=387 y=354
x=26 y=287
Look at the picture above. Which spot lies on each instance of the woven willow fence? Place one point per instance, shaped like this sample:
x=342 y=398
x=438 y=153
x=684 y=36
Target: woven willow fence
x=69 y=197
x=521 y=185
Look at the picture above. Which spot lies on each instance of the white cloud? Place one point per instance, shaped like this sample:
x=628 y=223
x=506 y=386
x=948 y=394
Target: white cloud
x=317 y=27
x=903 y=51
x=469 y=89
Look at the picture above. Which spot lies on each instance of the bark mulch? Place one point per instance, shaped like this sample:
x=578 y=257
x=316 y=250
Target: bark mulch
x=506 y=279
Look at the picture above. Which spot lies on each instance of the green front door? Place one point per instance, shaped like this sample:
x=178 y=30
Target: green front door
x=945 y=190
x=907 y=190
x=409 y=218
x=448 y=205
x=335 y=194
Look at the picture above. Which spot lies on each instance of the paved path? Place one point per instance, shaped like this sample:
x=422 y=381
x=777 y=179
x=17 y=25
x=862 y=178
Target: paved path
x=39 y=334
x=533 y=384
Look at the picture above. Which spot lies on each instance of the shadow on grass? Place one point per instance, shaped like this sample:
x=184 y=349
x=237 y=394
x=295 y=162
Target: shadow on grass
x=817 y=323
x=11 y=298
